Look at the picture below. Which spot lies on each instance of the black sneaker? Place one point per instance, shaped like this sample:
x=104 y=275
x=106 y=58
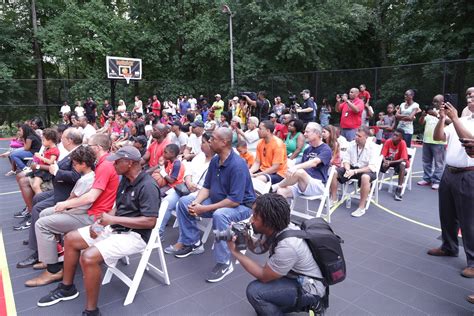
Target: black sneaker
x=57 y=295
x=21 y=214
x=220 y=271
x=24 y=224
x=190 y=250
x=95 y=312
x=398 y=194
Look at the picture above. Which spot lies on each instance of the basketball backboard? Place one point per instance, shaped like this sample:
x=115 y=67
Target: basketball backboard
x=124 y=68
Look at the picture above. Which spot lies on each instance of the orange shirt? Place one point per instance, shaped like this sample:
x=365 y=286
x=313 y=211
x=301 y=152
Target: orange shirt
x=249 y=158
x=272 y=153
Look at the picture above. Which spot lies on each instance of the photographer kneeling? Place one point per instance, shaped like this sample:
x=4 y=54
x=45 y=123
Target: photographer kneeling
x=285 y=284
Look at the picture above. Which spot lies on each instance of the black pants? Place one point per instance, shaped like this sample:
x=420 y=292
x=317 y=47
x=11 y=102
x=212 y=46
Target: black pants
x=40 y=202
x=456 y=210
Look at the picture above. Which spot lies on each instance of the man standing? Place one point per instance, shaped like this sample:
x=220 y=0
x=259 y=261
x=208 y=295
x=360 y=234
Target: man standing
x=260 y=107
x=395 y=155
x=217 y=107
x=271 y=160
x=456 y=198
x=351 y=113
x=276 y=290
x=90 y=106
x=307 y=111
x=122 y=232
x=359 y=162
x=308 y=177
x=433 y=151
x=227 y=196
x=156 y=106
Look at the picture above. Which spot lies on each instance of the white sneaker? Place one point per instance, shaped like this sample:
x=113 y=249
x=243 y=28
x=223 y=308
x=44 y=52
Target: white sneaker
x=435 y=186
x=423 y=183
x=358 y=213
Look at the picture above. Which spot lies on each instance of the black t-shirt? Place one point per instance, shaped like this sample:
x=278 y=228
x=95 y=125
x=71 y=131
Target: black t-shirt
x=106 y=109
x=90 y=108
x=35 y=143
x=307 y=116
x=263 y=107
x=140 y=198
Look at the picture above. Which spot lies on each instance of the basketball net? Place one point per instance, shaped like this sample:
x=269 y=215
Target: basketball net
x=127 y=78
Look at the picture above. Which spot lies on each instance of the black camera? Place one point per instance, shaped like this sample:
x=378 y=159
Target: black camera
x=252 y=95
x=241 y=230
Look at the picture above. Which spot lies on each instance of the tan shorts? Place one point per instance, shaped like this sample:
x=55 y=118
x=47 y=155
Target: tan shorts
x=113 y=246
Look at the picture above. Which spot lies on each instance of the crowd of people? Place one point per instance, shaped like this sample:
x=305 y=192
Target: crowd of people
x=92 y=186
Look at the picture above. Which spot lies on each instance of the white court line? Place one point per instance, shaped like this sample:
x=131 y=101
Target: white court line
x=7 y=193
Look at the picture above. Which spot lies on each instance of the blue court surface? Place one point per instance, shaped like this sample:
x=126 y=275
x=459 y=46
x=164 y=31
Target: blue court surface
x=388 y=270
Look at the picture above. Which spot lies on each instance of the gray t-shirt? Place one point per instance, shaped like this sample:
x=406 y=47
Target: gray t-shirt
x=294 y=254
x=83 y=185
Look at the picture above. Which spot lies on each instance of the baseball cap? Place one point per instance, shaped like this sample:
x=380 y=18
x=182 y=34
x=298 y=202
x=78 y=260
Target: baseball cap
x=273 y=115
x=305 y=91
x=140 y=139
x=126 y=152
x=197 y=124
x=218 y=95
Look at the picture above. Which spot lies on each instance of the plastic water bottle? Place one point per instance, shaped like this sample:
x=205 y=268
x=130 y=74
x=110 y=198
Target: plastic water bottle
x=348 y=202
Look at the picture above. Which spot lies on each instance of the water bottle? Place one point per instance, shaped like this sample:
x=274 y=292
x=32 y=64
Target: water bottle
x=348 y=202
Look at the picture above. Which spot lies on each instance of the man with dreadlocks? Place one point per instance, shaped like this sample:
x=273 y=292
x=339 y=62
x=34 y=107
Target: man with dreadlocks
x=284 y=284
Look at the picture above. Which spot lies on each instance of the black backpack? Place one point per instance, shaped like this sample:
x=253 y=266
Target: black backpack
x=325 y=247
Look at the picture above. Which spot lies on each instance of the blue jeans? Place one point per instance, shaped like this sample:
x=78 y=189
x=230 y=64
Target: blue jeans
x=433 y=156
x=221 y=219
x=349 y=133
x=172 y=199
x=18 y=155
x=407 y=138
x=278 y=297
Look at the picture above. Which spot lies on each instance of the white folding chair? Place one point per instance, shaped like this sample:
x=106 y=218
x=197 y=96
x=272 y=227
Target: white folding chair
x=323 y=205
x=373 y=186
x=391 y=182
x=261 y=187
x=153 y=243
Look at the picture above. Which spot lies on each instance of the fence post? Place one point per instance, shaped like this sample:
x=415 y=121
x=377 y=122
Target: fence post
x=376 y=77
x=445 y=68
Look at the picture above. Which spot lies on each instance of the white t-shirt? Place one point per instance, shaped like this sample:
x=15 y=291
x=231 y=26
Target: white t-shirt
x=82 y=186
x=252 y=138
x=196 y=169
x=181 y=140
x=87 y=132
x=65 y=109
x=404 y=110
x=194 y=143
x=79 y=110
x=193 y=103
x=456 y=155
x=138 y=106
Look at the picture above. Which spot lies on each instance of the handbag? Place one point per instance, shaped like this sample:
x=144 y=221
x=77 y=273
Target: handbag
x=182 y=189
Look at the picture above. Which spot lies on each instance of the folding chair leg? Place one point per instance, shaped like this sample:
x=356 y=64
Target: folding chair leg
x=107 y=277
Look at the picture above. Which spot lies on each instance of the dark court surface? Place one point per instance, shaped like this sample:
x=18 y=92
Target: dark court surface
x=388 y=270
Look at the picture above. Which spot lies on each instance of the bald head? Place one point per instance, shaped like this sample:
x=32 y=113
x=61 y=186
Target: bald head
x=225 y=134
x=438 y=98
x=353 y=93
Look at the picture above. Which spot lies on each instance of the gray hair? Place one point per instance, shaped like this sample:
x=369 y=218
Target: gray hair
x=315 y=127
x=253 y=120
x=74 y=135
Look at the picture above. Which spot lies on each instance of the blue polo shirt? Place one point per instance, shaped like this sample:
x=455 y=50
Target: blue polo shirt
x=231 y=180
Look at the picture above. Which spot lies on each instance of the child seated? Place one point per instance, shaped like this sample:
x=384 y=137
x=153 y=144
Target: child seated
x=49 y=157
x=244 y=153
x=172 y=172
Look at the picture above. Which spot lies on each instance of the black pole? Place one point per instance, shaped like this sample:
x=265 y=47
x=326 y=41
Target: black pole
x=376 y=77
x=444 y=76
x=112 y=94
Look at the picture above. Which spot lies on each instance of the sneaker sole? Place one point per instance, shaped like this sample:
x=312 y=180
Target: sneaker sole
x=58 y=300
x=229 y=271
x=21 y=227
x=196 y=251
x=357 y=215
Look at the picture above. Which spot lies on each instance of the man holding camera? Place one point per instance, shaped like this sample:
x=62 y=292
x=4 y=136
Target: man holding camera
x=351 y=113
x=456 y=200
x=285 y=283
x=227 y=196
x=307 y=111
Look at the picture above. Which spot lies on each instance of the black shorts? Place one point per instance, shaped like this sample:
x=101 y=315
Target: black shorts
x=396 y=168
x=341 y=171
x=91 y=118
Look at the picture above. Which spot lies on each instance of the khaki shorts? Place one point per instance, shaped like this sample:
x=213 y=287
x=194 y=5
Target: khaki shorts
x=113 y=246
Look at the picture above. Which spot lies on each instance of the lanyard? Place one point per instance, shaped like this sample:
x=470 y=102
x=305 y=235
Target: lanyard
x=359 y=153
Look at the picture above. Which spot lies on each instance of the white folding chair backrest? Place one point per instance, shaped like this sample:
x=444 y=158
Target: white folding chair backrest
x=261 y=187
x=324 y=204
x=153 y=243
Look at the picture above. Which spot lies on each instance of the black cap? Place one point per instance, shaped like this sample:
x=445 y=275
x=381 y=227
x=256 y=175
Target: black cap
x=197 y=124
x=126 y=152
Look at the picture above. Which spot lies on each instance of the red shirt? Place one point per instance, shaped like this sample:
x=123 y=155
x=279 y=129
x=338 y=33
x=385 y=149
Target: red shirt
x=156 y=107
x=349 y=118
x=106 y=180
x=175 y=170
x=392 y=152
x=366 y=95
x=48 y=153
x=281 y=130
x=156 y=150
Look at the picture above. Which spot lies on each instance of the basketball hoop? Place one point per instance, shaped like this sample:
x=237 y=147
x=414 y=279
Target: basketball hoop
x=127 y=77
